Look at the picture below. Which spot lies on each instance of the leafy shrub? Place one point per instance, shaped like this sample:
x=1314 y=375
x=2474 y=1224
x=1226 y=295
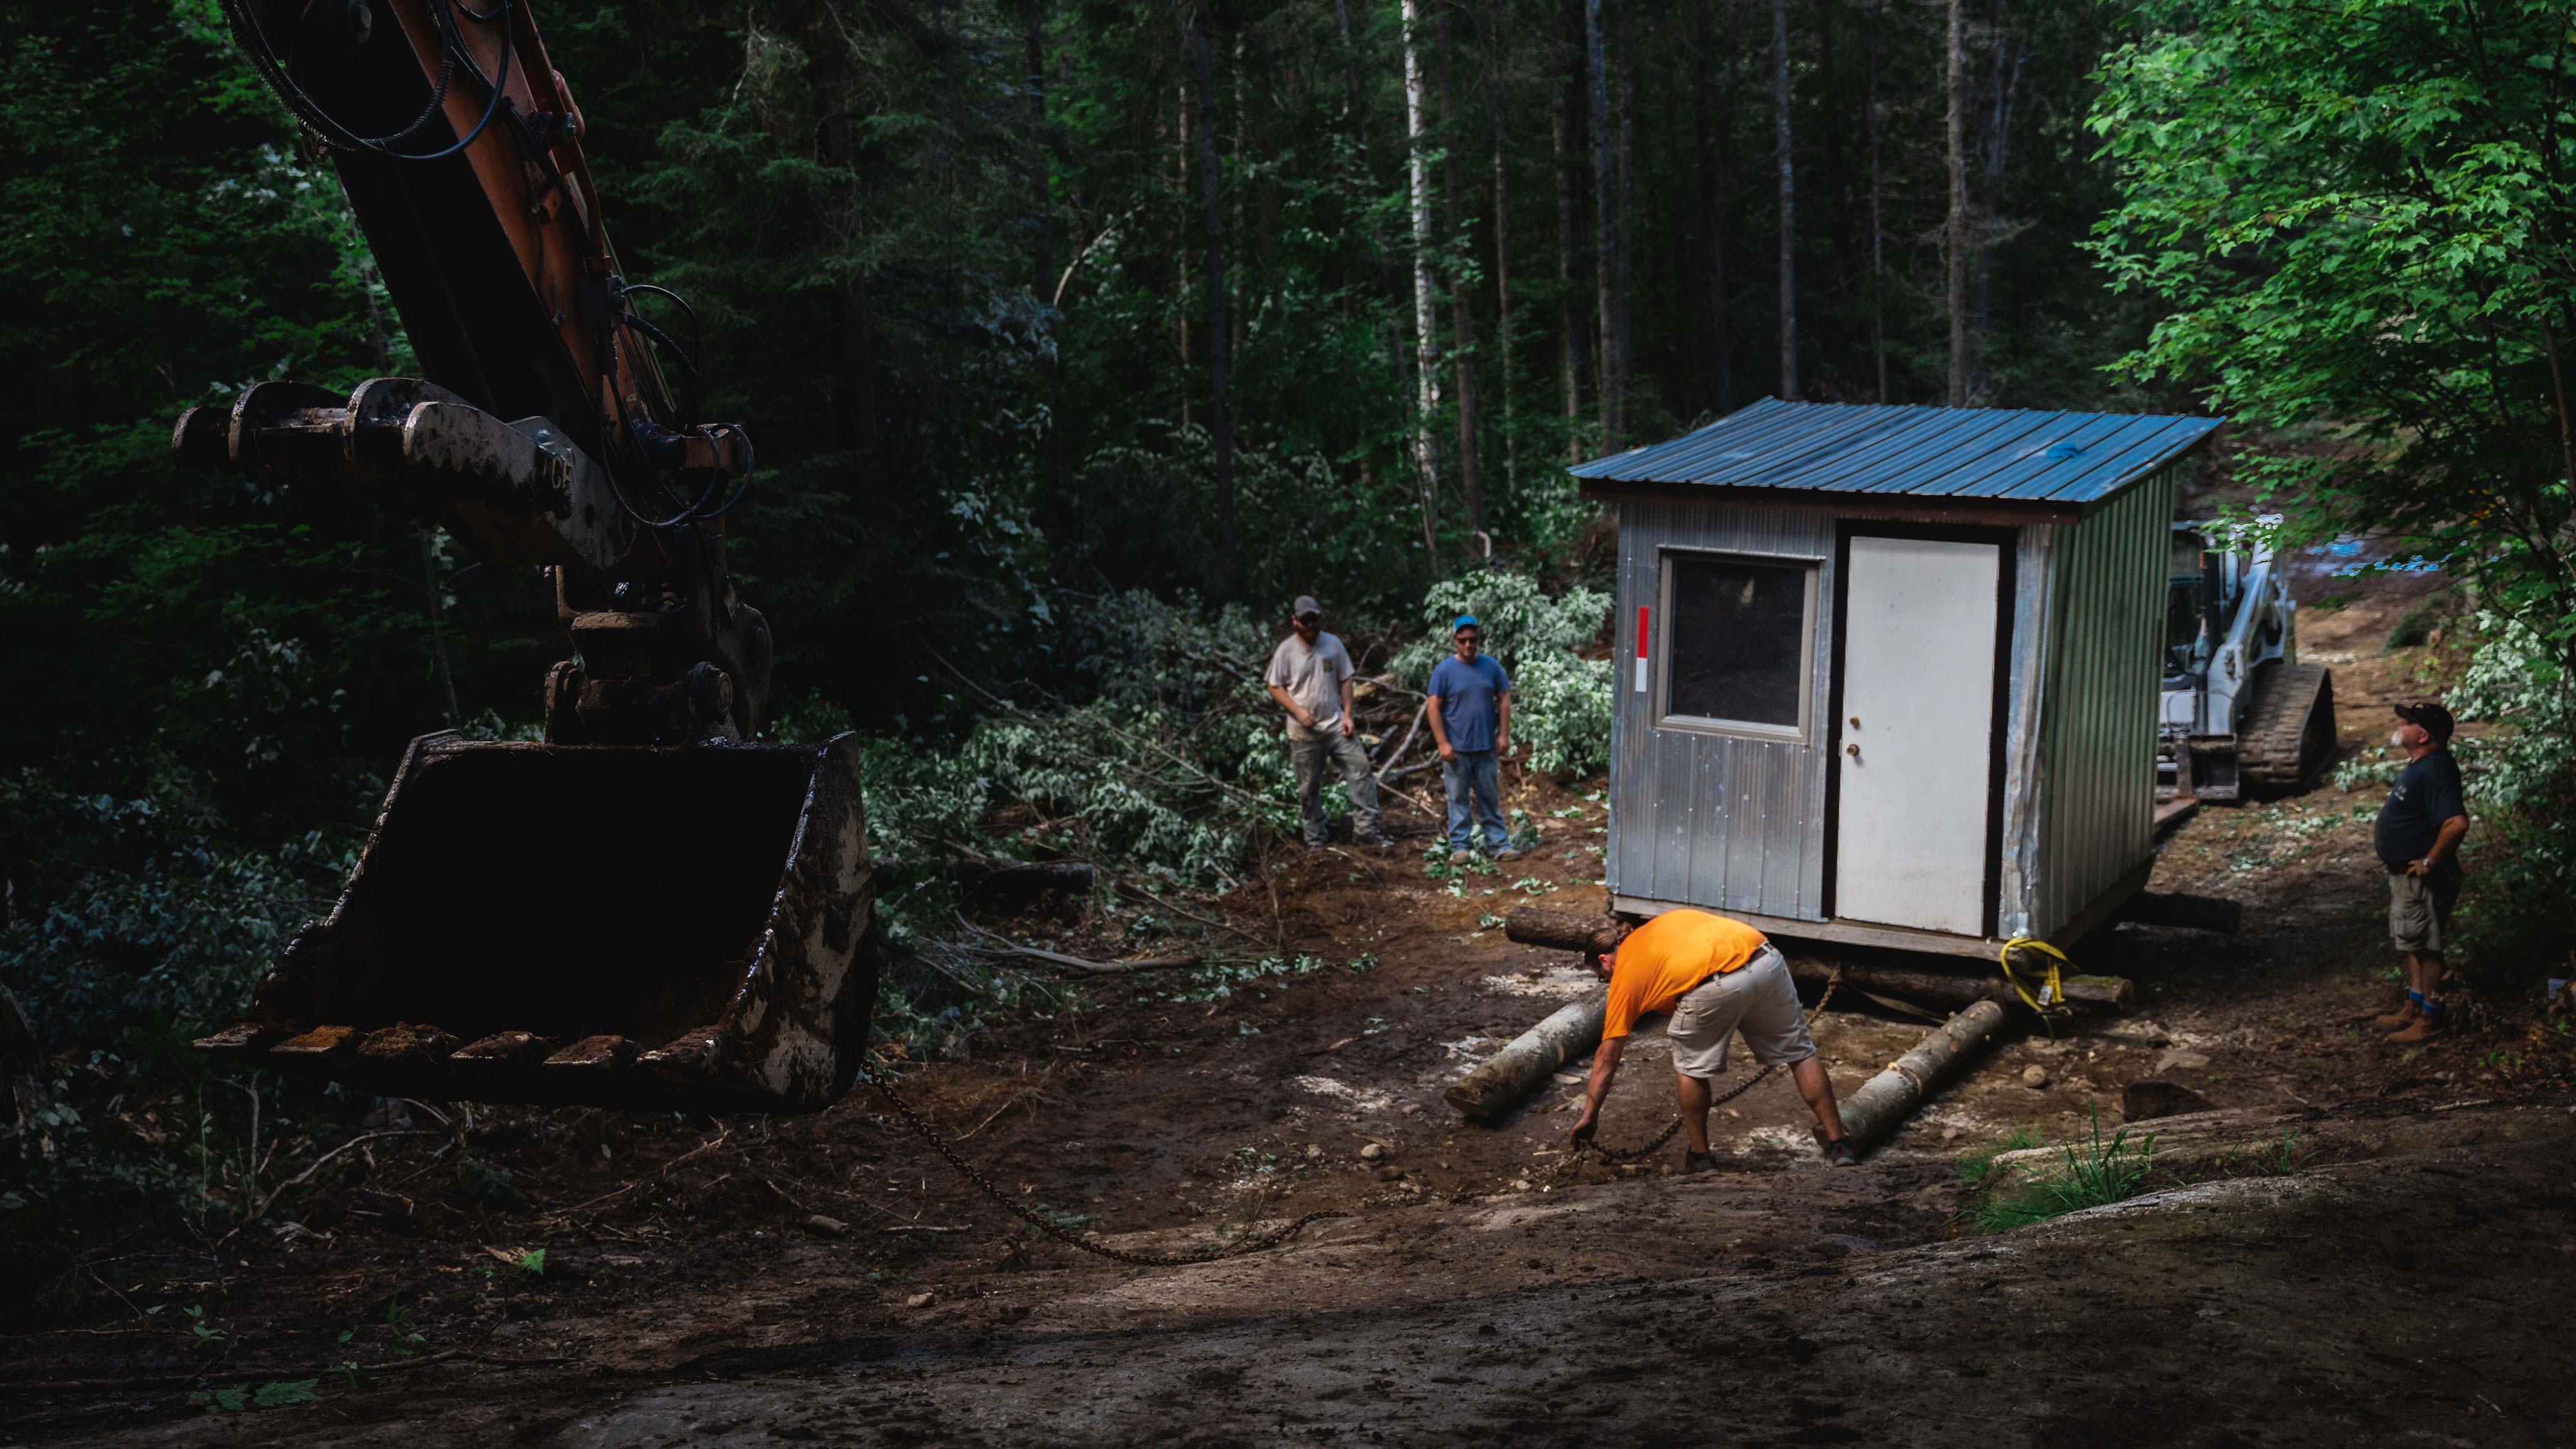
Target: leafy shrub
x=2519 y=917
x=1561 y=700
x=168 y=931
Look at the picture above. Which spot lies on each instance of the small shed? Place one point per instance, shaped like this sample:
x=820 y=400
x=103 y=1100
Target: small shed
x=1888 y=675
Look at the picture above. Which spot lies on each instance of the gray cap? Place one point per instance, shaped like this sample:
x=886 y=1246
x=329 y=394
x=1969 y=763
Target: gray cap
x=1305 y=605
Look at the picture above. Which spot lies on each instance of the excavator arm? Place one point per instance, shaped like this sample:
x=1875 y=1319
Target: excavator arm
x=543 y=430
x=646 y=910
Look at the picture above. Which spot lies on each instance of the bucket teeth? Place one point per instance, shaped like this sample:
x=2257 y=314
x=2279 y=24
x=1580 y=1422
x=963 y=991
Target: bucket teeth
x=406 y=1045
x=321 y=1044
x=594 y=1056
x=700 y=1058
x=243 y=1038
x=500 y=1059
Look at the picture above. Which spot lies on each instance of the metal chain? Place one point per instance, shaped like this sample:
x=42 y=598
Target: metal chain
x=1614 y=1154
x=1064 y=1235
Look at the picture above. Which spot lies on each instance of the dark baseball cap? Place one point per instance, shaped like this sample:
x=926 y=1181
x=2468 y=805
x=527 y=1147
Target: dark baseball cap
x=1305 y=608
x=2430 y=714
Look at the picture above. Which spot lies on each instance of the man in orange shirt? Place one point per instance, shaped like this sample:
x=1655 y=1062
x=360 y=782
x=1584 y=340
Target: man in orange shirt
x=1715 y=976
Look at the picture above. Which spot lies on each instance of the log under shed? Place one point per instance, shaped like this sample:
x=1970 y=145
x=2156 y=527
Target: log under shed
x=1888 y=675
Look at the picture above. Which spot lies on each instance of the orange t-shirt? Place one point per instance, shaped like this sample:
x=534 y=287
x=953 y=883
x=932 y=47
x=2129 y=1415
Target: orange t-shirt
x=1666 y=957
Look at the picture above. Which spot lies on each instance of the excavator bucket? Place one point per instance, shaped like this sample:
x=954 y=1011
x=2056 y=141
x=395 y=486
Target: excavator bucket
x=645 y=928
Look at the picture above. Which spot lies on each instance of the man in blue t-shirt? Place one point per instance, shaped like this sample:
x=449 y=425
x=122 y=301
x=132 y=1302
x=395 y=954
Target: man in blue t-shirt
x=2418 y=841
x=1471 y=717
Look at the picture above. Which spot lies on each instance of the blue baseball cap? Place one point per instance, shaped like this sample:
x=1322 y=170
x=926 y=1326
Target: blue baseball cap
x=1465 y=621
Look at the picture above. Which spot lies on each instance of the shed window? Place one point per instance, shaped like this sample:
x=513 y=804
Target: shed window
x=1738 y=642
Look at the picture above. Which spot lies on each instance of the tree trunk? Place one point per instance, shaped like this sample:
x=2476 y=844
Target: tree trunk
x=1605 y=238
x=1714 y=116
x=1573 y=931
x=1504 y=1078
x=2007 y=82
x=1625 y=222
x=1569 y=341
x=1462 y=310
x=1954 y=236
x=1181 y=257
x=1788 y=203
x=1877 y=226
x=1042 y=243
x=1212 y=202
x=1426 y=340
x=1872 y=1114
x=1503 y=308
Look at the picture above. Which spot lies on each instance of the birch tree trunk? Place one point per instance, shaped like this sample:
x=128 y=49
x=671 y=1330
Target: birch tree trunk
x=1211 y=194
x=1462 y=310
x=1426 y=341
x=1426 y=336
x=1605 y=238
x=1788 y=203
x=1954 y=236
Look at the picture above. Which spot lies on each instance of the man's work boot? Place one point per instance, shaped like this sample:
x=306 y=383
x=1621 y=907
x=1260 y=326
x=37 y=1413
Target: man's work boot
x=1839 y=1153
x=2423 y=1028
x=1507 y=853
x=2404 y=1016
x=1376 y=840
x=1461 y=857
x=1698 y=1162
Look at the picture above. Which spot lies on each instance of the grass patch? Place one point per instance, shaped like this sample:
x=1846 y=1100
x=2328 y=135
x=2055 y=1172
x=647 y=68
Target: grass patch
x=1979 y=1164
x=2092 y=1171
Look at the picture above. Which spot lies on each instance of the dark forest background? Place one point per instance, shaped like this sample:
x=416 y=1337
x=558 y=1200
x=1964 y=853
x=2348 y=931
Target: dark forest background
x=1043 y=308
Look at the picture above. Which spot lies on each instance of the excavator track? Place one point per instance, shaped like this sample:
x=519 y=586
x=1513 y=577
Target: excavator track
x=2288 y=736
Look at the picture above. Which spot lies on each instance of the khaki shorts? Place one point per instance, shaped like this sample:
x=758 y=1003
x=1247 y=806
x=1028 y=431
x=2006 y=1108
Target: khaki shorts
x=2419 y=908
x=1758 y=998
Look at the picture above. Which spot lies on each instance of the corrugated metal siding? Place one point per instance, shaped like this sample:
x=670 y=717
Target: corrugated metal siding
x=2095 y=772
x=1718 y=821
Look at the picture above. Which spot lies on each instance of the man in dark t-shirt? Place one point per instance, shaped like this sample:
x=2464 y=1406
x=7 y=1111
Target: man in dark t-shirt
x=2418 y=840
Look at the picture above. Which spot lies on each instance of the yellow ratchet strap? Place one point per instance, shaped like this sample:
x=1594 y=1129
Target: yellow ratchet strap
x=2051 y=999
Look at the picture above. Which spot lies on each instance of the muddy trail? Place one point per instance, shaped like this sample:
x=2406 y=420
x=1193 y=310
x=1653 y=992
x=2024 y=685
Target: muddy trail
x=2364 y=1244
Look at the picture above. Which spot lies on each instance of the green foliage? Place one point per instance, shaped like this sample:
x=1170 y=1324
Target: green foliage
x=240 y=1398
x=1560 y=699
x=166 y=940
x=488 y=1184
x=2360 y=238
x=2518 y=923
x=2414 y=628
x=1979 y=1164
x=2091 y=1172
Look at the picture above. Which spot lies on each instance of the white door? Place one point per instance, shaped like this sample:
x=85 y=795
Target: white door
x=1918 y=733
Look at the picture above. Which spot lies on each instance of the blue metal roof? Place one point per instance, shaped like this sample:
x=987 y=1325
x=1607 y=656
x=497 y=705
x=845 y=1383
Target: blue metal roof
x=1973 y=455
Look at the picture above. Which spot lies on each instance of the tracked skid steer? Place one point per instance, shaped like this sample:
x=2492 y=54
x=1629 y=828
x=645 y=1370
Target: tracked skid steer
x=649 y=908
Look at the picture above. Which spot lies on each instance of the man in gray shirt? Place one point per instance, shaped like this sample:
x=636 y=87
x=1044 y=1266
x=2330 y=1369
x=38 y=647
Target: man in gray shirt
x=1310 y=675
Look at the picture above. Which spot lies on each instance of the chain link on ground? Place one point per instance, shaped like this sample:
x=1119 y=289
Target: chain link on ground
x=1567 y=1163
x=1065 y=1235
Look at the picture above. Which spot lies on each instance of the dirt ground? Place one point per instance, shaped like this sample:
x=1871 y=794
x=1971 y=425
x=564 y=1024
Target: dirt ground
x=2410 y=1286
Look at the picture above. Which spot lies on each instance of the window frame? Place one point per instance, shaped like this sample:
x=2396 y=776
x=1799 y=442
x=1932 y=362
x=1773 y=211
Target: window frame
x=1660 y=677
